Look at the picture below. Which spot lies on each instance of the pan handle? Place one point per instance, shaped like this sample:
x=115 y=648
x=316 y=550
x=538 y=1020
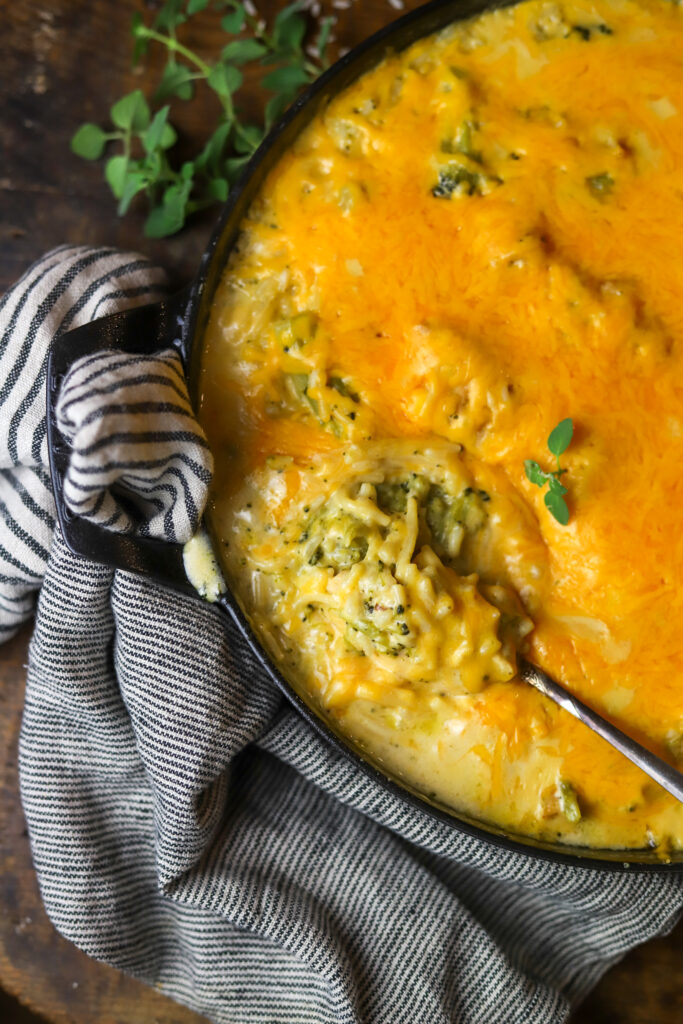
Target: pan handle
x=143 y=330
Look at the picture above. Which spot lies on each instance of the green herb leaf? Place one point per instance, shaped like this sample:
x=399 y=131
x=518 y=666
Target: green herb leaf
x=89 y=142
x=138 y=30
x=168 y=137
x=561 y=437
x=115 y=171
x=135 y=182
x=151 y=139
x=248 y=139
x=154 y=167
x=557 y=507
x=171 y=15
x=224 y=79
x=534 y=473
x=195 y=6
x=324 y=38
x=169 y=217
x=218 y=188
x=289 y=28
x=240 y=51
x=275 y=108
x=287 y=80
x=210 y=157
x=234 y=22
x=556 y=485
x=131 y=112
x=235 y=167
x=175 y=81
x=137 y=24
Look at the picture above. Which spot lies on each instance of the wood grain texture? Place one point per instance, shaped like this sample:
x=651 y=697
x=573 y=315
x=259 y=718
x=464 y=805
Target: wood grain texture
x=64 y=62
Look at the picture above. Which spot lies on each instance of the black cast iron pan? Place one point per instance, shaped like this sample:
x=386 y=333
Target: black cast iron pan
x=180 y=322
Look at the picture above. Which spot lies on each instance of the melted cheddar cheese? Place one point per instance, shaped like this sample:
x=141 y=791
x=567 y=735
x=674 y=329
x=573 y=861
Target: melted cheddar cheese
x=477 y=239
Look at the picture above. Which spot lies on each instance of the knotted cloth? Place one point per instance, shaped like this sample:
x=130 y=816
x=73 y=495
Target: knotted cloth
x=188 y=827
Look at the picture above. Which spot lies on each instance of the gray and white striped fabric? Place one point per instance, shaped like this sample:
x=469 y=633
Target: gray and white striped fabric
x=67 y=288
x=111 y=408
x=190 y=829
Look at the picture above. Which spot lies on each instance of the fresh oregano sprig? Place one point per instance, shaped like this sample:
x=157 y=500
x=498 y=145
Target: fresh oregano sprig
x=558 y=441
x=142 y=129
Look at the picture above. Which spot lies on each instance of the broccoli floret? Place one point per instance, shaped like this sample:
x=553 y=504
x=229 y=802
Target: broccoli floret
x=600 y=185
x=462 y=142
x=449 y=517
x=391 y=639
x=588 y=31
x=341 y=541
x=456 y=180
x=299 y=382
x=393 y=497
x=569 y=801
x=342 y=388
x=297 y=331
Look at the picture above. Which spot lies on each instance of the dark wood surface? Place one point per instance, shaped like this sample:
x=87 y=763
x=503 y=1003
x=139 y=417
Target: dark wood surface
x=63 y=62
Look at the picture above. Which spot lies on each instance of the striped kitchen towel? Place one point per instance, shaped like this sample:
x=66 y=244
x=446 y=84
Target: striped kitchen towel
x=165 y=479
x=111 y=408
x=189 y=828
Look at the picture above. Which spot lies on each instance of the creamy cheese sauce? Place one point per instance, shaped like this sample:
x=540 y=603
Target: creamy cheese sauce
x=477 y=239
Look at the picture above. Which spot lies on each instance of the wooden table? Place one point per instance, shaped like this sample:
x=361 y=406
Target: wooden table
x=66 y=61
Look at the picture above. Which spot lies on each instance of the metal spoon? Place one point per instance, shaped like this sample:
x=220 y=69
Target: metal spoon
x=667 y=777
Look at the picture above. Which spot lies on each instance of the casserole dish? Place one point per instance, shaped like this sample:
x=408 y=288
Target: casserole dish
x=187 y=318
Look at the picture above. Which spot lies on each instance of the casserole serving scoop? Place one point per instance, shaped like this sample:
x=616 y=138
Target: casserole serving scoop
x=668 y=777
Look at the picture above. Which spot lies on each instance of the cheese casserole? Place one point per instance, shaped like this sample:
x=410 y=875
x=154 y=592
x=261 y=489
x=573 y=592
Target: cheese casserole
x=477 y=239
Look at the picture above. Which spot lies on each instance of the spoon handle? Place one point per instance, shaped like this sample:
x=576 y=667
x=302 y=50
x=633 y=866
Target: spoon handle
x=667 y=777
